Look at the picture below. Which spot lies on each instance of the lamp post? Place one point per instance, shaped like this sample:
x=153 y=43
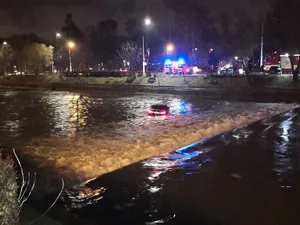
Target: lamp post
x=71 y=45
x=4 y=54
x=147 y=23
x=52 y=62
x=262 y=45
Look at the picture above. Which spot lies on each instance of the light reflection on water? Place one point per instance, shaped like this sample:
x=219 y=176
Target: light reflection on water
x=31 y=114
x=264 y=149
x=149 y=189
x=284 y=158
x=67 y=113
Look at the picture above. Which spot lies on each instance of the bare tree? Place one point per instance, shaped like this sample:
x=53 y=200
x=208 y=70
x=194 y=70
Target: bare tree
x=6 y=56
x=239 y=35
x=131 y=55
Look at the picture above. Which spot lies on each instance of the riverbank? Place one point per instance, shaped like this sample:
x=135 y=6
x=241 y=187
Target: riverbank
x=262 y=88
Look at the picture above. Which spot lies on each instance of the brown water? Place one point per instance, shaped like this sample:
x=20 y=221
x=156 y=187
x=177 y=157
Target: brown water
x=248 y=176
x=29 y=114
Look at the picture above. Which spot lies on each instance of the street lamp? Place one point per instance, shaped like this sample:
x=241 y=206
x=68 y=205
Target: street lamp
x=170 y=48
x=58 y=35
x=147 y=23
x=71 y=45
x=4 y=43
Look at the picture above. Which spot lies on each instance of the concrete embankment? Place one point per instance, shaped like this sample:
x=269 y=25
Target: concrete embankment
x=268 y=88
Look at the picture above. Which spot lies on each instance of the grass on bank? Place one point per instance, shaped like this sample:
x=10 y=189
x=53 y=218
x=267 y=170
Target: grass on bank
x=13 y=209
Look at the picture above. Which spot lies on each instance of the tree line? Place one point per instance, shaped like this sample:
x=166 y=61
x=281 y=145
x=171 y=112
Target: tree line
x=25 y=53
x=194 y=30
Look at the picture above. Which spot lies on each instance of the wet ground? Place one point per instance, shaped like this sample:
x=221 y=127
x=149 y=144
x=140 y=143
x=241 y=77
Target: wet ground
x=247 y=176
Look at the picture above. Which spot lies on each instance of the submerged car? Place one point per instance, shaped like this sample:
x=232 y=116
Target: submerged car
x=158 y=110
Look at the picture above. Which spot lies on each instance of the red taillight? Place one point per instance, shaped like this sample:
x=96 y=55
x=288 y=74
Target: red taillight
x=150 y=111
x=163 y=112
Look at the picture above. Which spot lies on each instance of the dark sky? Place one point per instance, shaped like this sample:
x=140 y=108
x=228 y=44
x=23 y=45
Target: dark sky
x=45 y=17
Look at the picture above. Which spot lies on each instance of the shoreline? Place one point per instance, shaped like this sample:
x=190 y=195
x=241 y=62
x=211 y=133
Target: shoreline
x=260 y=93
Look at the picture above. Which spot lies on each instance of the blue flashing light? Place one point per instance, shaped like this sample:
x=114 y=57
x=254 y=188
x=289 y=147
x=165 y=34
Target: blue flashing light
x=181 y=61
x=168 y=61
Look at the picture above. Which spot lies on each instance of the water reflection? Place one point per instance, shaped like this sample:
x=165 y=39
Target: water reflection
x=180 y=159
x=32 y=114
x=142 y=200
x=284 y=159
x=237 y=136
x=179 y=106
x=186 y=159
x=84 y=197
x=79 y=110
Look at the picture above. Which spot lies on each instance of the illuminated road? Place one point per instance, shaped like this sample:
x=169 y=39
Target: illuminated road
x=246 y=176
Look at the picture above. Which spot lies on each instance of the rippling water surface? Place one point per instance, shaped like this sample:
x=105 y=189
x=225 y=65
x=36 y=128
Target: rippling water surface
x=28 y=114
x=247 y=176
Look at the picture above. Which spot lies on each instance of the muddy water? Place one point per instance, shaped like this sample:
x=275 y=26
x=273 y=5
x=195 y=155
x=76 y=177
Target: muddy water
x=28 y=114
x=247 y=176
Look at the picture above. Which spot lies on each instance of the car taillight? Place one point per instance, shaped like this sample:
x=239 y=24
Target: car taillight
x=150 y=111
x=163 y=112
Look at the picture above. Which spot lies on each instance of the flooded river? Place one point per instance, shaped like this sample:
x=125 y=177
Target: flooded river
x=229 y=179
x=29 y=114
x=78 y=136
x=248 y=176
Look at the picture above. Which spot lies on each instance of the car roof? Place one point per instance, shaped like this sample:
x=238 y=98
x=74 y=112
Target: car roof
x=159 y=106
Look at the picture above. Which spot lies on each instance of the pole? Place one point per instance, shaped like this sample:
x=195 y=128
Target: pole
x=5 y=65
x=262 y=45
x=143 y=43
x=70 y=61
x=4 y=54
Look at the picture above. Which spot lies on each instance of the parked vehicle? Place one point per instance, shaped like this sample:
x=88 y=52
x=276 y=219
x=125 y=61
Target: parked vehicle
x=280 y=63
x=178 y=67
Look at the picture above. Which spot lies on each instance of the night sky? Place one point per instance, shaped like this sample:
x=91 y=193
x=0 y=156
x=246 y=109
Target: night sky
x=45 y=17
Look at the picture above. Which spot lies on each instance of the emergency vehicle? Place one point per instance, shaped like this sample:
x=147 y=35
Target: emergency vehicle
x=178 y=67
x=276 y=62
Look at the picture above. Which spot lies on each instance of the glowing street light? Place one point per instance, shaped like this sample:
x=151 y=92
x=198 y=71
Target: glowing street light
x=71 y=44
x=147 y=23
x=58 y=35
x=4 y=43
x=170 y=48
